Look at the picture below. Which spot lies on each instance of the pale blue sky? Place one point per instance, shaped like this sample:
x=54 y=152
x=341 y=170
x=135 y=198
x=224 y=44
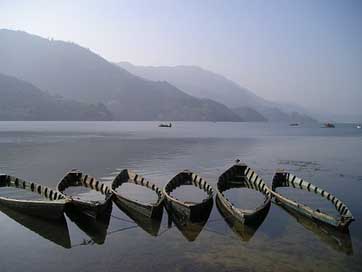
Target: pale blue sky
x=306 y=52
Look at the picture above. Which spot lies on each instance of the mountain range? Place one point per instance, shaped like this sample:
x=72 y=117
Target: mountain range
x=64 y=74
x=21 y=100
x=200 y=82
x=74 y=72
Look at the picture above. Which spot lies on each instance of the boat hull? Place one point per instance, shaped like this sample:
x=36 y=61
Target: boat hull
x=194 y=213
x=51 y=207
x=89 y=207
x=241 y=176
x=150 y=224
x=45 y=209
x=242 y=230
x=189 y=218
x=284 y=179
x=152 y=210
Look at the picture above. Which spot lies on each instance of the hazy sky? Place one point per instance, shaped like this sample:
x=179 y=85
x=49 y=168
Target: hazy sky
x=306 y=52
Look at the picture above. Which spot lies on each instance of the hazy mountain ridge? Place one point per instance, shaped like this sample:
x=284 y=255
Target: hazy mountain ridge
x=75 y=72
x=250 y=114
x=199 y=82
x=21 y=100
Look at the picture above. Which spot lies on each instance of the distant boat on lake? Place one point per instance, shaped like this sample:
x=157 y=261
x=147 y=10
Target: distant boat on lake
x=165 y=125
x=329 y=125
x=294 y=124
x=358 y=126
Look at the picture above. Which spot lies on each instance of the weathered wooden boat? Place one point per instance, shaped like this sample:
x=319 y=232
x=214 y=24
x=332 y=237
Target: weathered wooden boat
x=191 y=210
x=284 y=179
x=93 y=208
x=189 y=217
x=334 y=238
x=47 y=202
x=151 y=210
x=55 y=230
x=242 y=176
x=94 y=228
x=244 y=231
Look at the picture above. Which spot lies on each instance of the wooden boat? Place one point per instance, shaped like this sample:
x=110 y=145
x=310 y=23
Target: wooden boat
x=284 y=179
x=55 y=230
x=151 y=210
x=337 y=240
x=165 y=125
x=239 y=176
x=190 y=210
x=189 y=217
x=93 y=208
x=48 y=203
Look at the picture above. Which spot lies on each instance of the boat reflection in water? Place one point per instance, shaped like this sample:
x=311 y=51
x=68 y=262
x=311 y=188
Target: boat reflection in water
x=333 y=237
x=55 y=230
x=148 y=224
x=243 y=230
x=189 y=217
x=244 y=222
x=190 y=224
x=95 y=228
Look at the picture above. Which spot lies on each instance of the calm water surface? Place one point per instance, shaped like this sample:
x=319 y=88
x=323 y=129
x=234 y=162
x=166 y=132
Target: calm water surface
x=45 y=151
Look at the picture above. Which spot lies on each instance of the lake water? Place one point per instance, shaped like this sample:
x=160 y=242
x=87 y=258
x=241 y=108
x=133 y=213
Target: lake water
x=45 y=151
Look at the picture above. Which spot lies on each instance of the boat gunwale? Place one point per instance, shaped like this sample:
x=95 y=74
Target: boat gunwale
x=286 y=179
x=196 y=181
x=47 y=192
x=98 y=187
x=260 y=187
x=133 y=178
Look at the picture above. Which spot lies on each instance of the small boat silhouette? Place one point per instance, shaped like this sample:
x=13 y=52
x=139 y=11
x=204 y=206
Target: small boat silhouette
x=329 y=125
x=165 y=125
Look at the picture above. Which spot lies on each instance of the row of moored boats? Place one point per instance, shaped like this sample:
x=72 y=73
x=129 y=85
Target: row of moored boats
x=53 y=202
